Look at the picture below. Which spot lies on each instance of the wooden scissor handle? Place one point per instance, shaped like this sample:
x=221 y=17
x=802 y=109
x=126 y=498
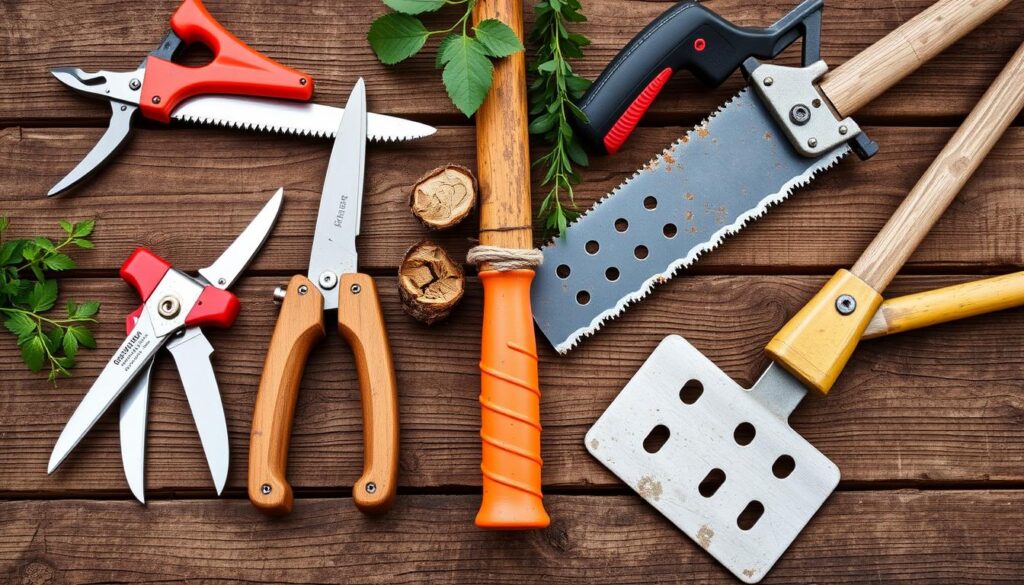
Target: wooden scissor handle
x=361 y=323
x=300 y=326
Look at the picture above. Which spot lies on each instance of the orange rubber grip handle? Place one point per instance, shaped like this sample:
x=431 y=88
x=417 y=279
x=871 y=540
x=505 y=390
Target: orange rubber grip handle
x=236 y=68
x=510 y=406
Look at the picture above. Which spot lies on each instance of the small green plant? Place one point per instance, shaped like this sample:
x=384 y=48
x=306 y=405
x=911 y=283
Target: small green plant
x=466 y=59
x=552 y=92
x=26 y=294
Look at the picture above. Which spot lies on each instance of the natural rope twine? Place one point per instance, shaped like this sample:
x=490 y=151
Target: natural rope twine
x=504 y=259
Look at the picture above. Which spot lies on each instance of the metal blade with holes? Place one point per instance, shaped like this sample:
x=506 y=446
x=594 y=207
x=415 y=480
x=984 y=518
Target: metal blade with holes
x=713 y=181
x=301 y=118
x=728 y=452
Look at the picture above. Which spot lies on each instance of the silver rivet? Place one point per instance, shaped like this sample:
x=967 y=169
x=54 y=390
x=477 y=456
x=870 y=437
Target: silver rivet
x=134 y=84
x=303 y=289
x=800 y=114
x=371 y=487
x=356 y=289
x=156 y=99
x=328 y=280
x=266 y=489
x=221 y=281
x=843 y=130
x=303 y=81
x=768 y=81
x=846 y=304
x=169 y=307
x=812 y=142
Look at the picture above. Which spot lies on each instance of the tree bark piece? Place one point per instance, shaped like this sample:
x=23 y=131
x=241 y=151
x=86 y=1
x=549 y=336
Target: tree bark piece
x=430 y=284
x=444 y=196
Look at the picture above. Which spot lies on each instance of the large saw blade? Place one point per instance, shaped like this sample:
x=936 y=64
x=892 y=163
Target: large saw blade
x=289 y=117
x=722 y=174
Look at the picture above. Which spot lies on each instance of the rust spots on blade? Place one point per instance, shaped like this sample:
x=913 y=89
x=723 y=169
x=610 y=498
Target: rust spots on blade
x=704 y=536
x=768 y=136
x=649 y=488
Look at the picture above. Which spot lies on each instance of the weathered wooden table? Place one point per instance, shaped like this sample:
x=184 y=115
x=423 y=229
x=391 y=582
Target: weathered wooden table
x=928 y=428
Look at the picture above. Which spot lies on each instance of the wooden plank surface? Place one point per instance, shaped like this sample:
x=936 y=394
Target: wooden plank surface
x=905 y=536
x=927 y=427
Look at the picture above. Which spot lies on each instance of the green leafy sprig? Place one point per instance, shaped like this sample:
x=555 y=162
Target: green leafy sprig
x=552 y=93
x=464 y=58
x=26 y=293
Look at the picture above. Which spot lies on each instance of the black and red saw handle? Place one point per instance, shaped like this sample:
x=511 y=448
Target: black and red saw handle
x=236 y=68
x=691 y=37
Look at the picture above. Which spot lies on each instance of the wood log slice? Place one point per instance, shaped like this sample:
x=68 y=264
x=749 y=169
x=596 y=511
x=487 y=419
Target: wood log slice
x=430 y=283
x=444 y=196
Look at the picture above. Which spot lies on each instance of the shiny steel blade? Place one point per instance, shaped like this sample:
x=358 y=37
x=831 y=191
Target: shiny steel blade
x=233 y=261
x=289 y=117
x=132 y=423
x=337 y=222
x=717 y=178
x=192 y=353
x=111 y=141
x=135 y=352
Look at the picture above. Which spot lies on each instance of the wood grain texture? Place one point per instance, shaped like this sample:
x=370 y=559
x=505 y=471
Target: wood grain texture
x=361 y=323
x=937 y=405
x=873 y=71
x=914 y=537
x=147 y=198
x=299 y=327
x=328 y=42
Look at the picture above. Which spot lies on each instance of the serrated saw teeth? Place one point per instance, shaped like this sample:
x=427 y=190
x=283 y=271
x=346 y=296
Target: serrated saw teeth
x=665 y=217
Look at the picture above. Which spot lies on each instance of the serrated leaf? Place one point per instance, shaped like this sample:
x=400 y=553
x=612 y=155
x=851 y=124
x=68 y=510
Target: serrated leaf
x=44 y=243
x=497 y=38
x=443 y=56
x=83 y=335
x=21 y=325
x=54 y=339
x=84 y=228
x=58 y=261
x=467 y=75
x=10 y=252
x=86 y=310
x=395 y=37
x=33 y=353
x=414 y=6
x=66 y=226
x=70 y=345
x=43 y=296
x=547 y=66
x=83 y=243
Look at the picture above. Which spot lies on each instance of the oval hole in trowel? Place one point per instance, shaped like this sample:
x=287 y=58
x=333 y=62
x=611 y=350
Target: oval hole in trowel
x=711 y=482
x=656 y=439
x=750 y=515
x=691 y=391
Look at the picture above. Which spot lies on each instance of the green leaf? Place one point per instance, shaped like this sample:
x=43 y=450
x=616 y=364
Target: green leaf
x=395 y=37
x=54 y=339
x=85 y=310
x=43 y=296
x=83 y=335
x=66 y=226
x=10 y=252
x=467 y=75
x=547 y=66
x=5 y=222
x=34 y=353
x=83 y=243
x=543 y=123
x=44 y=243
x=497 y=38
x=83 y=229
x=58 y=261
x=415 y=6
x=21 y=325
x=70 y=345
x=444 y=54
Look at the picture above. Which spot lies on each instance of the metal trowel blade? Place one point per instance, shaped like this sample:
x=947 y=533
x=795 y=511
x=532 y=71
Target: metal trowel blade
x=707 y=416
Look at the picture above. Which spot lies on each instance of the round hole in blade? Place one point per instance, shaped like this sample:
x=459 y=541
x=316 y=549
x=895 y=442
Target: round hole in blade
x=612 y=274
x=583 y=297
x=640 y=252
x=783 y=466
x=744 y=434
x=621 y=224
x=691 y=391
x=650 y=202
x=563 y=271
x=670 y=230
x=593 y=247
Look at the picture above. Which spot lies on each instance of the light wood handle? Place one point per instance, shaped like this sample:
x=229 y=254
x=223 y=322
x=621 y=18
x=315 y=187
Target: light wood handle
x=361 y=323
x=947 y=304
x=944 y=179
x=300 y=325
x=877 y=68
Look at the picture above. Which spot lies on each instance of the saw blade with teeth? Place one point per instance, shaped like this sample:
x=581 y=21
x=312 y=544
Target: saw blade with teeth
x=289 y=117
x=708 y=185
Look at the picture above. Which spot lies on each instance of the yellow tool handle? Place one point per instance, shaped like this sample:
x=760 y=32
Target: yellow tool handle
x=299 y=327
x=874 y=70
x=947 y=304
x=361 y=323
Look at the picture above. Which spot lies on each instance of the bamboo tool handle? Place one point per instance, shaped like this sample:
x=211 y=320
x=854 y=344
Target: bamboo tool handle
x=947 y=304
x=944 y=179
x=361 y=323
x=877 y=68
x=509 y=387
x=300 y=325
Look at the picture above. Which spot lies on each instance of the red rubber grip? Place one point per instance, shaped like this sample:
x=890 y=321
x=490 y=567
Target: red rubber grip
x=215 y=307
x=144 y=270
x=627 y=122
x=236 y=68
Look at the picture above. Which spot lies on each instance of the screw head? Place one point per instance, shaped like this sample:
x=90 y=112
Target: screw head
x=356 y=289
x=843 y=129
x=328 y=280
x=169 y=307
x=800 y=114
x=265 y=489
x=156 y=99
x=812 y=142
x=768 y=81
x=371 y=487
x=134 y=84
x=303 y=81
x=303 y=289
x=846 y=304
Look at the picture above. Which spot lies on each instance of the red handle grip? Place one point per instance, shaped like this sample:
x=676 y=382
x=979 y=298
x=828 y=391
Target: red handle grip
x=215 y=307
x=144 y=270
x=236 y=68
x=627 y=122
x=510 y=406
